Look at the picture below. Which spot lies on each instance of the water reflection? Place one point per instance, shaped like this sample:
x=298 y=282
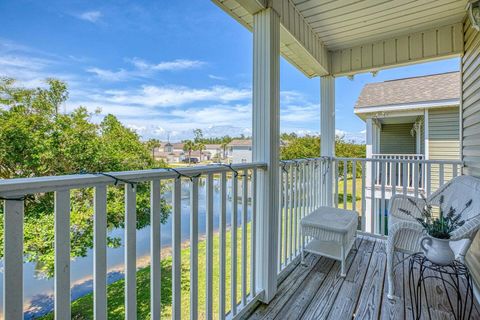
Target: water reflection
x=38 y=292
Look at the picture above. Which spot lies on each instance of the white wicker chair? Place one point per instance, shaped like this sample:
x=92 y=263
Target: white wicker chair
x=404 y=232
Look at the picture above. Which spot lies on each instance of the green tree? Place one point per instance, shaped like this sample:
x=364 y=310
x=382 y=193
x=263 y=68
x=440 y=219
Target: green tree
x=37 y=140
x=151 y=145
x=224 y=144
x=295 y=147
x=198 y=135
x=188 y=146
x=200 y=146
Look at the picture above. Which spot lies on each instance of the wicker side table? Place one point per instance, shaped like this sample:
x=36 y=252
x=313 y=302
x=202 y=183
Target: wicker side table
x=333 y=231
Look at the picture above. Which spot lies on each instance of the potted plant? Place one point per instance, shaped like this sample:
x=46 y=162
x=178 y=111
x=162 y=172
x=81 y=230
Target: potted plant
x=439 y=228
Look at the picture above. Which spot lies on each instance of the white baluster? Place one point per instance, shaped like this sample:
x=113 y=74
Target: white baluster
x=233 y=245
x=194 y=248
x=364 y=200
x=223 y=244
x=13 y=260
x=382 y=201
x=254 y=235
x=354 y=185
x=62 y=254
x=130 y=252
x=100 y=254
x=244 y=235
x=336 y=184
x=373 y=215
x=176 y=247
x=209 y=258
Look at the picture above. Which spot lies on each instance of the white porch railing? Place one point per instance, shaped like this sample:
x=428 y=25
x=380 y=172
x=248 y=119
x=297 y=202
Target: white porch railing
x=361 y=184
x=301 y=185
x=398 y=156
x=15 y=190
x=364 y=185
x=397 y=172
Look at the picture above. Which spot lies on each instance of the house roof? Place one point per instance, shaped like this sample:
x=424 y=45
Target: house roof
x=178 y=145
x=415 y=90
x=212 y=146
x=240 y=143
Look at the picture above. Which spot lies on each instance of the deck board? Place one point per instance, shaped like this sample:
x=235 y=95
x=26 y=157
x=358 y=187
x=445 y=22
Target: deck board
x=328 y=291
x=370 y=301
x=315 y=290
x=394 y=309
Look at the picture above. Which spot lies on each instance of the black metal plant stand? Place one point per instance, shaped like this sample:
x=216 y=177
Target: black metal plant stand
x=452 y=278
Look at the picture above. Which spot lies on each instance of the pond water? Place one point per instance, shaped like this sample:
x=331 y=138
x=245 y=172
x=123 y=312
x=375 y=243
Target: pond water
x=38 y=292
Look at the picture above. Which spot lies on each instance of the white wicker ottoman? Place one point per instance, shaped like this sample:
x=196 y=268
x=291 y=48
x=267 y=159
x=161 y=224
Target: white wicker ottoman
x=333 y=231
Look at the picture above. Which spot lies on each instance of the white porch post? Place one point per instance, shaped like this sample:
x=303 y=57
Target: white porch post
x=266 y=142
x=327 y=132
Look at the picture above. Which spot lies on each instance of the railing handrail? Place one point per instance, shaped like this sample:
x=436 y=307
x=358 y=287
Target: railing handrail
x=24 y=186
x=398 y=155
x=431 y=161
x=458 y=162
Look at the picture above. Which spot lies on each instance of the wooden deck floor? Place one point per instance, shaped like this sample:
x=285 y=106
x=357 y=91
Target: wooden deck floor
x=315 y=291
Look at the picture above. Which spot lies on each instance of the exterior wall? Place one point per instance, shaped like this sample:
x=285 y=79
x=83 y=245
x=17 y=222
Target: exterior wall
x=444 y=134
x=396 y=139
x=444 y=141
x=471 y=125
x=241 y=154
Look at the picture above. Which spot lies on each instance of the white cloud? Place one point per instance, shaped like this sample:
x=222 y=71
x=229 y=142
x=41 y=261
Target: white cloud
x=143 y=69
x=214 y=77
x=177 y=64
x=169 y=96
x=109 y=75
x=91 y=16
x=357 y=137
x=29 y=67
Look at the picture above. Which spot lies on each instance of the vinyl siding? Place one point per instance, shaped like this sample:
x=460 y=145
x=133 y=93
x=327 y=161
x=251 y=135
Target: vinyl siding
x=396 y=139
x=444 y=134
x=444 y=141
x=471 y=125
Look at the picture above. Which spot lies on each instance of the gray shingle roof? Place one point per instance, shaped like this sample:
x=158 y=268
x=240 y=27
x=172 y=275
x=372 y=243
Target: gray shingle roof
x=410 y=90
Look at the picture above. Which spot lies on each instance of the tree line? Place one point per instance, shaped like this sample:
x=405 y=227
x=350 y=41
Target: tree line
x=36 y=139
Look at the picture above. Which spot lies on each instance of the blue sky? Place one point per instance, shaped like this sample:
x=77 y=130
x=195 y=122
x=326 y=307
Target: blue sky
x=165 y=67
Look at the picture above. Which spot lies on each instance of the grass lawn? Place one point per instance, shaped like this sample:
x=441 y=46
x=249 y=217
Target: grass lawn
x=358 y=194
x=82 y=308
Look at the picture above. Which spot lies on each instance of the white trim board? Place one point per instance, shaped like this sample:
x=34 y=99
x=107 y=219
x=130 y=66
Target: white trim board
x=409 y=106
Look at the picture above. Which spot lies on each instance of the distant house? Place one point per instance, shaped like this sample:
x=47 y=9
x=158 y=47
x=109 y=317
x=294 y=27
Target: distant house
x=166 y=152
x=240 y=151
x=214 y=151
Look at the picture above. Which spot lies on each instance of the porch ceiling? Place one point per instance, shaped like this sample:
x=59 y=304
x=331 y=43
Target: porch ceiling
x=347 y=23
x=345 y=37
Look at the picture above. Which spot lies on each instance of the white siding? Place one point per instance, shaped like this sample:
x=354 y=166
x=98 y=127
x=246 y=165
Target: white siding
x=471 y=125
x=241 y=154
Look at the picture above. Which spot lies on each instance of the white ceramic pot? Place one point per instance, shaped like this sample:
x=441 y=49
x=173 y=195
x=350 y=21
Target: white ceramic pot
x=437 y=250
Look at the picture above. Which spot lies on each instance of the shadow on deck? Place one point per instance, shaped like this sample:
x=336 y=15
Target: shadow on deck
x=316 y=291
